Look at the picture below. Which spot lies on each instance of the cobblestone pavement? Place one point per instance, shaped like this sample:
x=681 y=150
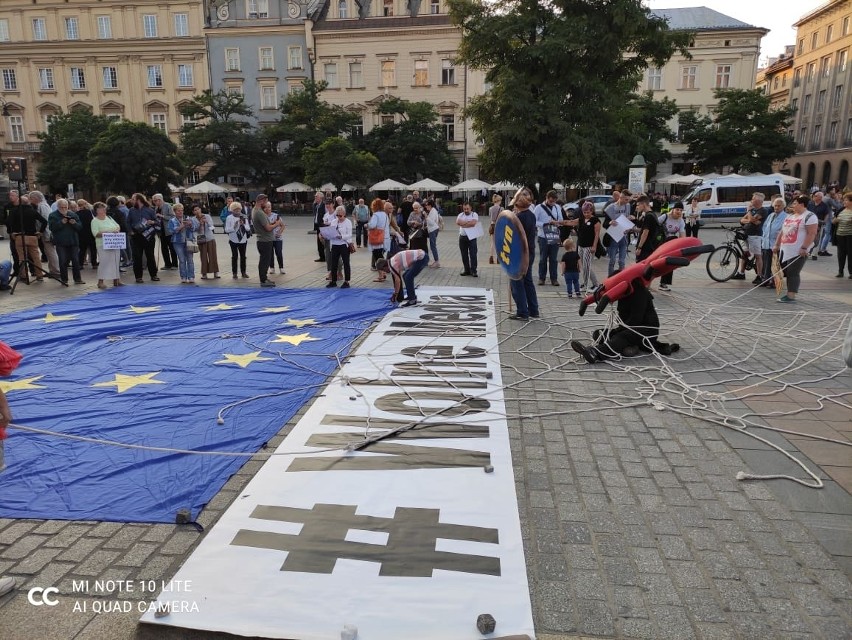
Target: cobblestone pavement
x=634 y=523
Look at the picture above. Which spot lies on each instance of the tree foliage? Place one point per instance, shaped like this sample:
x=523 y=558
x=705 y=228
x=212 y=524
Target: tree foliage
x=306 y=122
x=743 y=133
x=644 y=128
x=132 y=156
x=414 y=146
x=218 y=135
x=64 y=149
x=562 y=73
x=336 y=160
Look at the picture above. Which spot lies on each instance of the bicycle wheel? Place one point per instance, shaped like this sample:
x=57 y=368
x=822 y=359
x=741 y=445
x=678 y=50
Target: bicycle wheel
x=722 y=263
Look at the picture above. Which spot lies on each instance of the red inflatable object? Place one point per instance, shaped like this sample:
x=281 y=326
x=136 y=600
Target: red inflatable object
x=668 y=257
x=9 y=359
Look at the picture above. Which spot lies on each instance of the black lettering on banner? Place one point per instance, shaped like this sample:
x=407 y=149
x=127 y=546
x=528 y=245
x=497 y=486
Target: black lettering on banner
x=436 y=330
x=438 y=382
x=447 y=353
x=440 y=430
x=458 y=404
x=410 y=550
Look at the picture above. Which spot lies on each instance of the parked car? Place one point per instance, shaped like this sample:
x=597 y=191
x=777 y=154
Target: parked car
x=599 y=201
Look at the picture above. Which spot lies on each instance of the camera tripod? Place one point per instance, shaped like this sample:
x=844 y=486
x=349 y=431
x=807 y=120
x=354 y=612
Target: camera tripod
x=28 y=267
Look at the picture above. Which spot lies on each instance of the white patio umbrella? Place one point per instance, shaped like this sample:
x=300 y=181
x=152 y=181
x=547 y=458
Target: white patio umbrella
x=427 y=184
x=599 y=186
x=787 y=179
x=674 y=178
x=348 y=187
x=388 y=185
x=328 y=186
x=205 y=188
x=503 y=185
x=469 y=185
x=294 y=187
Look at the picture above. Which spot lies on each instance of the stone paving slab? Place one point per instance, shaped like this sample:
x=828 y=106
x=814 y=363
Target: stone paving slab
x=634 y=525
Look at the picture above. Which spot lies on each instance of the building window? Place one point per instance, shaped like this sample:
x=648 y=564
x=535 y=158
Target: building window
x=820 y=102
x=723 y=76
x=78 y=78
x=387 y=8
x=448 y=71
x=155 y=76
x=342 y=10
x=448 y=122
x=10 y=80
x=16 y=128
x=801 y=48
x=4 y=30
x=797 y=77
x=842 y=60
x=149 y=26
x=810 y=72
x=104 y=27
x=72 y=29
x=388 y=73
x=689 y=77
x=356 y=77
x=814 y=40
x=435 y=7
x=158 y=121
x=655 y=78
x=268 y=97
x=113 y=117
x=847 y=137
x=803 y=137
x=825 y=67
x=185 y=78
x=330 y=74
x=837 y=98
x=784 y=80
x=387 y=120
x=831 y=141
x=39 y=29
x=844 y=28
x=294 y=57
x=45 y=79
x=46 y=117
x=267 y=60
x=257 y=8
x=421 y=73
x=235 y=89
x=181 y=25
x=817 y=135
x=806 y=105
x=356 y=130
x=828 y=33
x=110 y=78
x=232 y=59
x=794 y=104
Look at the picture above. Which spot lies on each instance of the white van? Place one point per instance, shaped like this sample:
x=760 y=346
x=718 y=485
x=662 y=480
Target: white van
x=726 y=199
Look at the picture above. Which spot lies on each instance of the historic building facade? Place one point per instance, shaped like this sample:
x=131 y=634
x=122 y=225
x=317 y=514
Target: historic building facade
x=127 y=60
x=776 y=79
x=821 y=95
x=402 y=48
x=724 y=56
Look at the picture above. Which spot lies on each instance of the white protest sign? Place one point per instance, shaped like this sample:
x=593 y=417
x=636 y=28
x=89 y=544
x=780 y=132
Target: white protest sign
x=114 y=240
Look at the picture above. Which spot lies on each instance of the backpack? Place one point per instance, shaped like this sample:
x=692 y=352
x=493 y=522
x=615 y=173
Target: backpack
x=660 y=236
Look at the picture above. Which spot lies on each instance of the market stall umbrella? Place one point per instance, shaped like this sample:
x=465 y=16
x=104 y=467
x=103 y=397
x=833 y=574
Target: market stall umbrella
x=294 y=187
x=388 y=185
x=598 y=186
x=427 y=184
x=470 y=185
x=348 y=187
x=204 y=188
x=505 y=186
x=328 y=186
x=787 y=179
x=674 y=178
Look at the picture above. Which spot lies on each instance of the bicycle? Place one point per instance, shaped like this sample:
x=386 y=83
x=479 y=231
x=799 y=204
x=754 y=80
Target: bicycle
x=724 y=262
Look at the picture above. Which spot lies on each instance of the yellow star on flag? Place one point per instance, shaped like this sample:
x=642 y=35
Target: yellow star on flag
x=222 y=307
x=20 y=385
x=274 y=309
x=300 y=323
x=124 y=382
x=133 y=309
x=50 y=318
x=243 y=360
x=295 y=340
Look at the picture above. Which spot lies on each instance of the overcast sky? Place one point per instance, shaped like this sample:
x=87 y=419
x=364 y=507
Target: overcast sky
x=775 y=15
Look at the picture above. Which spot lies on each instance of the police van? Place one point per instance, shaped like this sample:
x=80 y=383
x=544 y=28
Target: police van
x=726 y=199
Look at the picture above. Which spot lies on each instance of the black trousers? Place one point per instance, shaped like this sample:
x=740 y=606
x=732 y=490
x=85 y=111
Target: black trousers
x=265 y=250
x=340 y=252
x=320 y=243
x=238 y=249
x=146 y=248
x=68 y=254
x=844 y=253
x=87 y=246
x=169 y=255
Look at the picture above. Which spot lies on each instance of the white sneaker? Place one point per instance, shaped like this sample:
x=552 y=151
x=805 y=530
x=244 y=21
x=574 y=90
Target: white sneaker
x=6 y=585
x=282 y=272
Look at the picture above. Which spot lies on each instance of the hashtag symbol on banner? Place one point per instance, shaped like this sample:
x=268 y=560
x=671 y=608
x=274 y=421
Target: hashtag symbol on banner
x=410 y=550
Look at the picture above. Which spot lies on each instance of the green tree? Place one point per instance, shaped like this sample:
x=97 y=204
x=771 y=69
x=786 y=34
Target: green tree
x=307 y=121
x=414 y=146
x=744 y=133
x=64 y=148
x=218 y=135
x=644 y=128
x=132 y=156
x=562 y=73
x=336 y=160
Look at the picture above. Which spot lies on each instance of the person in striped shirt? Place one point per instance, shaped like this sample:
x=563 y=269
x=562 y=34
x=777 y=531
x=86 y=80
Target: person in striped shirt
x=404 y=266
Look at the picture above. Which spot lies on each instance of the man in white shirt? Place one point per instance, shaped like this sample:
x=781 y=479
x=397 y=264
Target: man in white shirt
x=467 y=221
x=547 y=219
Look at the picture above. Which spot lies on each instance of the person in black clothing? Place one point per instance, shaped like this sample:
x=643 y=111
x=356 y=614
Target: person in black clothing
x=318 y=208
x=10 y=209
x=638 y=330
x=523 y=290
x=24 y=225
x=114 y=212
x=85 y=239
x=570 y=266
x=649 y=227
x=144 y=224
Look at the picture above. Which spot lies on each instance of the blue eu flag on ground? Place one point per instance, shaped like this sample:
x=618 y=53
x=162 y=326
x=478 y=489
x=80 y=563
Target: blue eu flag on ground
x=154 y=368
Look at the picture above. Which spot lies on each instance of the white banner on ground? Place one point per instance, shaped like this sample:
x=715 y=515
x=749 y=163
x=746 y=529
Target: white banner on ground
x=412 y=537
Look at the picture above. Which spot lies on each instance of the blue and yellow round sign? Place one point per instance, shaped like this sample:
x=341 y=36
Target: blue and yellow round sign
x=510 y=245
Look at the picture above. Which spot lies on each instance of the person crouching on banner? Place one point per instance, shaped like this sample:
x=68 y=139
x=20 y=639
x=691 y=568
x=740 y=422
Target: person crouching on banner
x=404 y=266
x=638 y=330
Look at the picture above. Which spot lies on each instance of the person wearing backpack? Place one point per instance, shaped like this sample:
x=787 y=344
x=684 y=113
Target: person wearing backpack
x=361 y=213
x=548 y=219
